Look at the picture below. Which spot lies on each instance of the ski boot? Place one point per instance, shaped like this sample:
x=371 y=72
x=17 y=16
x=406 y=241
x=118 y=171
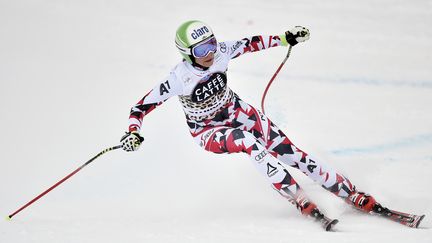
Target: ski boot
x=361 y=201
x=310 y=209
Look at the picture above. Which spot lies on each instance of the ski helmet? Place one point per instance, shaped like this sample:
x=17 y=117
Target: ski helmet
x=189 y=34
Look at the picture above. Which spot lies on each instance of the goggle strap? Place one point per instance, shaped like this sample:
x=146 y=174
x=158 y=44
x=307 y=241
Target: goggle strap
x=183 y=50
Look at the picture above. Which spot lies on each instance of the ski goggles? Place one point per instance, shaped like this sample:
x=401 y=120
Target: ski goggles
x=204 y=48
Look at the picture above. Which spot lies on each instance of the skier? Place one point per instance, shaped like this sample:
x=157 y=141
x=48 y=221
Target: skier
x=220 y=122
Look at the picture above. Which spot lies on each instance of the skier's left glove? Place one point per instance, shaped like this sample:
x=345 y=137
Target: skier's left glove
x=296 y=35
x=131 y=141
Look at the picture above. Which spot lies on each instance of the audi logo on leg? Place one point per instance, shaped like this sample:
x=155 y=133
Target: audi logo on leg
x=261 y=155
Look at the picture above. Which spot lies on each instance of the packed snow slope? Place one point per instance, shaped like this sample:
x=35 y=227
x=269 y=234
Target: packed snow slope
x=358 y=94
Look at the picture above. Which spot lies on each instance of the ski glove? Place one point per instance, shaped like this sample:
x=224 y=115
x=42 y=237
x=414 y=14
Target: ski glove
x=131 y=141
x=296 y=35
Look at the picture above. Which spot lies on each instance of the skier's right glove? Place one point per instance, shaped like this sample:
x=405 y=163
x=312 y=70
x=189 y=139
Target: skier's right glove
x=131 y=141
x=296 y=35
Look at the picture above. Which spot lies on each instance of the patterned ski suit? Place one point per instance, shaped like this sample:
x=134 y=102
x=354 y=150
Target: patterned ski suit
x=221 y=122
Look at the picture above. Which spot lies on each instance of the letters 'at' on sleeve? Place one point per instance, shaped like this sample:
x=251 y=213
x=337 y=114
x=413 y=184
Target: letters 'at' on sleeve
x=254 y=43
x=163 y=91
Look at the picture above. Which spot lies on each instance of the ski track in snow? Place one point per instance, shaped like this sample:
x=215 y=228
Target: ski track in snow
x=422 y=84
x=403 y=143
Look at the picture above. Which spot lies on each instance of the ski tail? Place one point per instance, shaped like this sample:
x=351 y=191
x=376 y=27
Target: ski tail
x=326 y=222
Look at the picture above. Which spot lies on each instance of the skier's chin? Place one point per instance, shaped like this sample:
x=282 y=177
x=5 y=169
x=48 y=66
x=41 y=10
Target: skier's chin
x=208 y=63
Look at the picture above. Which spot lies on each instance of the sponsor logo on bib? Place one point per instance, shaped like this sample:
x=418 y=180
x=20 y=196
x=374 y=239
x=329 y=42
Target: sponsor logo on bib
x=209 y=88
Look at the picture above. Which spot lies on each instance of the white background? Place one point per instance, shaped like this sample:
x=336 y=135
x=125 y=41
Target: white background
x=358 y=95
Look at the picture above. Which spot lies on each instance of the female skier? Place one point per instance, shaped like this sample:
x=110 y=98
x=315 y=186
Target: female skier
x=220 y=122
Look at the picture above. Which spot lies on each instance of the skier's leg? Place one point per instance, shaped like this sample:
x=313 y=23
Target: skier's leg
x=250 y=119
x=319 y=171
x=231 y=140
x=284 y=150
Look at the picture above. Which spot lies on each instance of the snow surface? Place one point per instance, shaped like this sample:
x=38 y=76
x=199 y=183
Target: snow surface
x=357 y=95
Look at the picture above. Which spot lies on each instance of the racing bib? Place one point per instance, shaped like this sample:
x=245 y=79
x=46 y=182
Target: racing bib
x=209 y=88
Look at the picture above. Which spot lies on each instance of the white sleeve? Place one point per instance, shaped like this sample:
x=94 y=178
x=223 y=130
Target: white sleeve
x=167 y=88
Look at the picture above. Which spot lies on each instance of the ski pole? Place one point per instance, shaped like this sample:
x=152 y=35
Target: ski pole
x=61 y=181
x=274 y=76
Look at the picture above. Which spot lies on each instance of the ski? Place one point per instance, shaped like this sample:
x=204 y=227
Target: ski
x=410 y=220
x=328 y=223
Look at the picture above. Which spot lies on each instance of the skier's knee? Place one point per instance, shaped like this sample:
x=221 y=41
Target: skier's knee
x=240 y=141
x=228 y=141
x=238 y=134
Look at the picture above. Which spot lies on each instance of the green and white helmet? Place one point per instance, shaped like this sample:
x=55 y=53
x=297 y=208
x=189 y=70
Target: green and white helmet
x=189 y=34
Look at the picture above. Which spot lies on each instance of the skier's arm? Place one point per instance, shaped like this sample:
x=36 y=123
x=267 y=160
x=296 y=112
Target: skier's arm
x=254 y=43
x=262 y=42
x=160 y=93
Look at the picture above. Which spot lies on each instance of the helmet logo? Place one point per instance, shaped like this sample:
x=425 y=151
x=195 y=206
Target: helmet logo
x=199 y=32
